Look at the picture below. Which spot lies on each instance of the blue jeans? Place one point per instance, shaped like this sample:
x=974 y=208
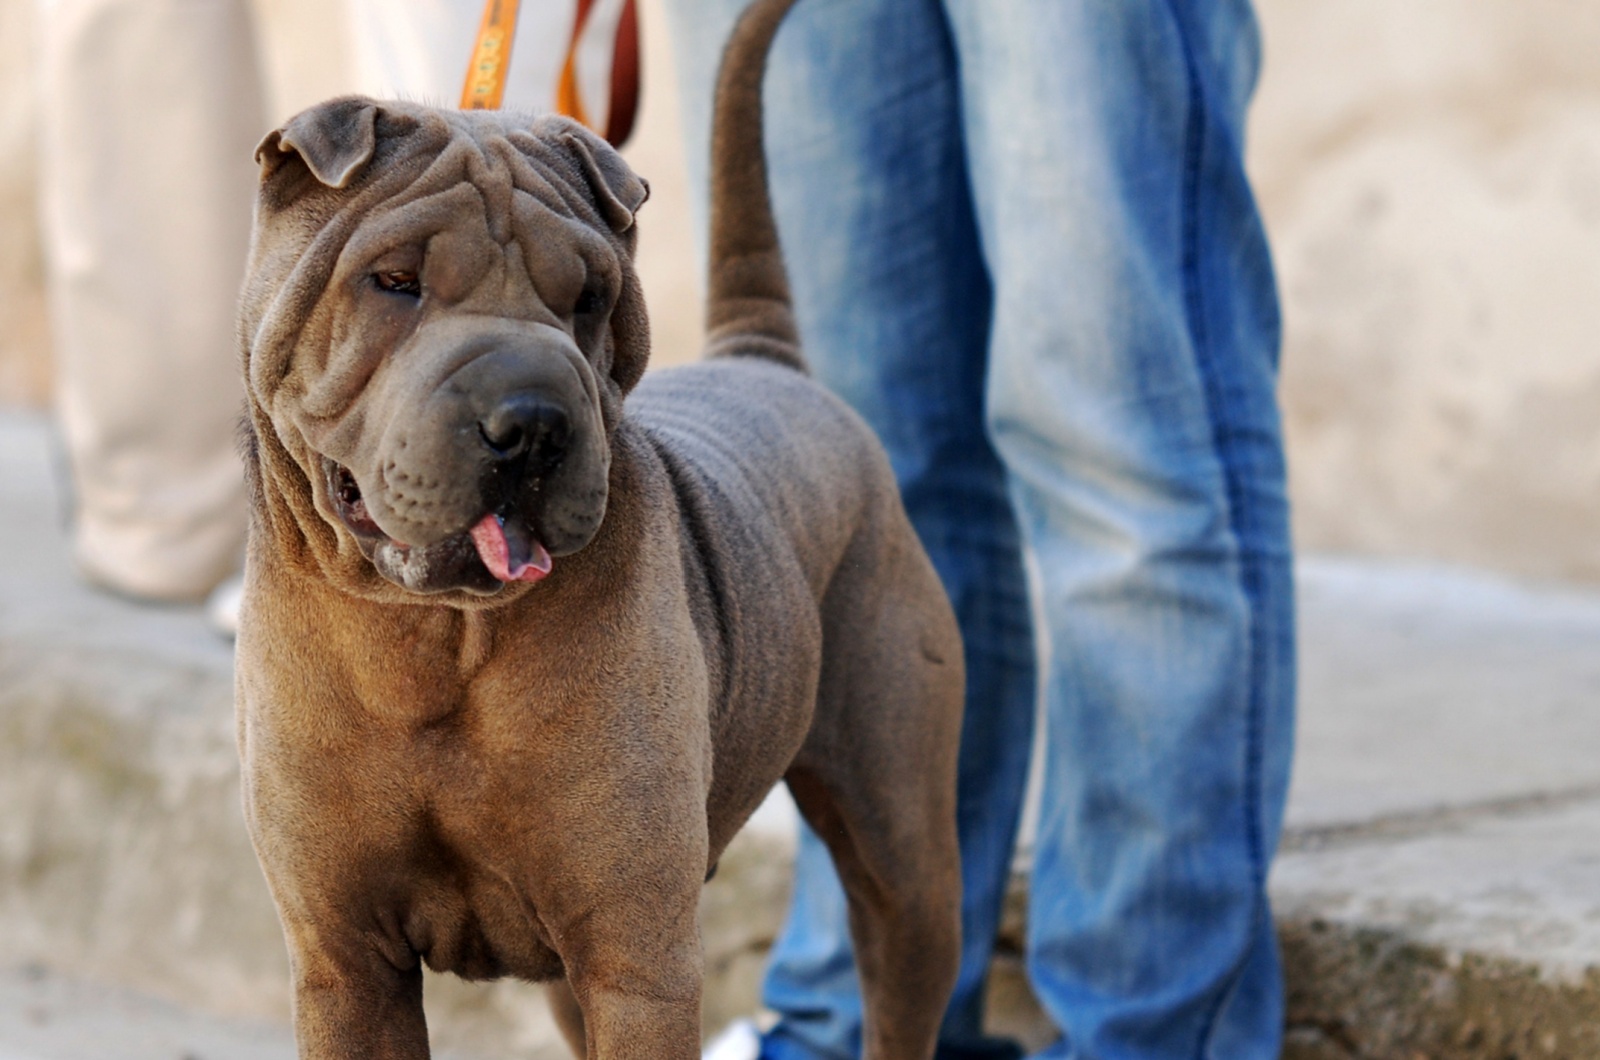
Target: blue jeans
x=1023 y=246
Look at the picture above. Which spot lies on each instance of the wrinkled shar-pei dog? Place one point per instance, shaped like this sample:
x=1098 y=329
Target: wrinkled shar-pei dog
x=526 y=639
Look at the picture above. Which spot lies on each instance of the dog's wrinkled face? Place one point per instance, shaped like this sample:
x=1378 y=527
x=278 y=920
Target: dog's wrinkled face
x=440 y=320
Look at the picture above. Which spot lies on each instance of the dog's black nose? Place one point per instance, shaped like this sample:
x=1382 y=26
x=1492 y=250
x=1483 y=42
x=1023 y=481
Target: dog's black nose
x=526 y=424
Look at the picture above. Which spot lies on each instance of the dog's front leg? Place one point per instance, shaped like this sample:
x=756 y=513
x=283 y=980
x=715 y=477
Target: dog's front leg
x=637 y=980
x=627 y=1017
x=351 y=1002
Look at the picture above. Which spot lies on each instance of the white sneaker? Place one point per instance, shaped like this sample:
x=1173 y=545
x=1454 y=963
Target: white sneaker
x=739 y=1040
x=222 y=607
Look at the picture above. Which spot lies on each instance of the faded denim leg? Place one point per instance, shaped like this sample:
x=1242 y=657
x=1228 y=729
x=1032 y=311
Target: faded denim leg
x=1131 y=397
x=1052 y=239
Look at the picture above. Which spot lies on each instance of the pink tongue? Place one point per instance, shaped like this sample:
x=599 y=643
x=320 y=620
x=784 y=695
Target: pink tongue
x=490 y=536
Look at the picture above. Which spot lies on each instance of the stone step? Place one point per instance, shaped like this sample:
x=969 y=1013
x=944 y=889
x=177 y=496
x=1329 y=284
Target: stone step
x=1438 y=892
x=45 y=1016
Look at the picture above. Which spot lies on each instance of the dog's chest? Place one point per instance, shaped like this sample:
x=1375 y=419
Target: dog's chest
x=475 y=858
x=443 y=840
x=472 y=924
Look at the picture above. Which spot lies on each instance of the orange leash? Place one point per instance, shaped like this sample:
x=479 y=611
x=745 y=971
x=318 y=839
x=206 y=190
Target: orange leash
x=491 y=57
x=568 y=101
x=485 y=86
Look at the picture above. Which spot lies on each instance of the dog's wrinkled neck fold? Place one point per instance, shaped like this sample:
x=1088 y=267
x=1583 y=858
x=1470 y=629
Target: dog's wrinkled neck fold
x=477 y=642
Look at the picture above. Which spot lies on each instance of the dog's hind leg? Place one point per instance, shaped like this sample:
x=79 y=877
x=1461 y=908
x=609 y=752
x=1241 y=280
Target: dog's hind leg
x=876 y=780
x=906 y=931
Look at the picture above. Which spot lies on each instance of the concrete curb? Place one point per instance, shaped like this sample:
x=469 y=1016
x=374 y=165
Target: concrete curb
x=1361 y=992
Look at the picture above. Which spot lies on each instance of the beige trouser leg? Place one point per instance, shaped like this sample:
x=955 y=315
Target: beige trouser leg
x=150 y=112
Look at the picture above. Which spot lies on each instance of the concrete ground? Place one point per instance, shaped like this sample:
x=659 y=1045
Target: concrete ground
x=44 y=1016
x=1438 y=893
x=47 y=1017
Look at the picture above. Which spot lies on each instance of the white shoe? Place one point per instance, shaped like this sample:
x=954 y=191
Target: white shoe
x=222 y=606
x=739 y=1040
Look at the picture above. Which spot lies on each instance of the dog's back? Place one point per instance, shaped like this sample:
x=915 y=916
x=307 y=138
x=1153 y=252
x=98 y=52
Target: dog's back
x=795 y=533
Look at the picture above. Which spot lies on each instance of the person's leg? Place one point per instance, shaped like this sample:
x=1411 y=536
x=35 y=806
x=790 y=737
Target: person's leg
x=863 y=136
x=1131 y=397
x=150 y=113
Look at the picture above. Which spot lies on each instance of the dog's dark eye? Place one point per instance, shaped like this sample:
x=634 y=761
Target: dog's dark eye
x=590 y=301
x=399 y=282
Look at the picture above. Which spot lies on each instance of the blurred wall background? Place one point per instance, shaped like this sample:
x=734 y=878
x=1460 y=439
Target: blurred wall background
x=1430 y=174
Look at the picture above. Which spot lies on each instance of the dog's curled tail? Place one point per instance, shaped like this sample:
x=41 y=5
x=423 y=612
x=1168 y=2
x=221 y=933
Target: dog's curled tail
x=748 y=309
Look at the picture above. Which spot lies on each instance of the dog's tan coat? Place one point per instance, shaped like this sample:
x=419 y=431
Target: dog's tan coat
x=535 y=779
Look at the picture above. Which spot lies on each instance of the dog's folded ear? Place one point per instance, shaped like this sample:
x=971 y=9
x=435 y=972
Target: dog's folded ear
x=618 y=190
x=333 y=140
